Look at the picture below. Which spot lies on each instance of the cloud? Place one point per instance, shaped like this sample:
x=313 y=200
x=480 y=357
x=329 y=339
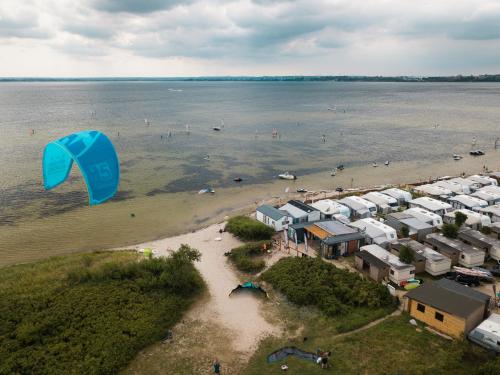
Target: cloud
x=23 y=26
x=137 y=6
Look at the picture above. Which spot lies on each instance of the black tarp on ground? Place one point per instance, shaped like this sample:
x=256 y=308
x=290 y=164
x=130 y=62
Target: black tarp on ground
x=282 y=353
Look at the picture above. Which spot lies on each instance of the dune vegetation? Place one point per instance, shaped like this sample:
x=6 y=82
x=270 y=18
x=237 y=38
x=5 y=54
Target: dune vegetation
x=248 y=229
x=91 y=313
x=248 y=257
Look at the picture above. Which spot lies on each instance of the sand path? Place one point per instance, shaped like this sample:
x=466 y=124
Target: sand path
x=240 y=314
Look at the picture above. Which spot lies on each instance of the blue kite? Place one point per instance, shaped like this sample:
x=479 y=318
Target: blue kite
x=95 y=155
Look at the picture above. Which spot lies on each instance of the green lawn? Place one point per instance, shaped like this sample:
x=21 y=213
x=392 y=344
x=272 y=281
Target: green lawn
x=90 y=313
x=391 y=347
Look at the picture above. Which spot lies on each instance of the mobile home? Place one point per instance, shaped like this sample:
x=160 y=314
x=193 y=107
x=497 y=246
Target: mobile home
x=458 y=251
x=468 y=202
x=376 y=232
x=399 y=272
x=475 y=220
x=472 y=185
x=417 y=229
x=488 y=196
x=383 y=202
x=402 y=196
x=425 y=216
x=493 y=212
x=487 y=334
x=454 y=187
x=481 y=241
x=328 y=208
x=433 y=190
x=301 y=212
x=272 y=217
x=432 y=205
x=483 y=180
x=435 y=263
x=360 y=208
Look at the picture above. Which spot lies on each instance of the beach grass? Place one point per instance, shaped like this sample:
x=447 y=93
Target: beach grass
x=91 y=313
x=247 y=258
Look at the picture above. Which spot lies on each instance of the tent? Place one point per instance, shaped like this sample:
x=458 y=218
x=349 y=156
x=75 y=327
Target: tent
x=96 y=157
x=250 y=287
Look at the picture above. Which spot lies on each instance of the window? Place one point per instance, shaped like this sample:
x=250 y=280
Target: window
x=412 y=272
x=420 y=307
x=462 y=256
x=392 y=272
x=439 y=316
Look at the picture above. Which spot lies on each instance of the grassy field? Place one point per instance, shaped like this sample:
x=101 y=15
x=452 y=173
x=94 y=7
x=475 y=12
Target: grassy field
x=390 y=347
x=90 y=313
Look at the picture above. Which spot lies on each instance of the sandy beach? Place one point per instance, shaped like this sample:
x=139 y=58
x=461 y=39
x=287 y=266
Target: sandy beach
x=239 y=317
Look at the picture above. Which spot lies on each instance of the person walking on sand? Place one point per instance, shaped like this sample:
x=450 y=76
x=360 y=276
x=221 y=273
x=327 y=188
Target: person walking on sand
x=216 y=366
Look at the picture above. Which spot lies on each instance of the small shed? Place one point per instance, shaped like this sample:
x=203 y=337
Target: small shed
x=373 y=266
x=417 y=228
x=447 y=306
x=272 y=217
x=418 y=258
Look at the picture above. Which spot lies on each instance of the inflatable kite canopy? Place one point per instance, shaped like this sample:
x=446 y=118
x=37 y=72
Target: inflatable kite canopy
x=95 y=155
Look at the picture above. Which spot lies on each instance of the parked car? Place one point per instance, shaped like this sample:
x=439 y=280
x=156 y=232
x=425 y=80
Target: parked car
x=339 y=189
x=495 y=270
x=468 y=280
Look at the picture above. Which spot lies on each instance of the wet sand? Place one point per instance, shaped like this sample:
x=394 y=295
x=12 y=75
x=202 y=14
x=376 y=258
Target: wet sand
x=111 y=225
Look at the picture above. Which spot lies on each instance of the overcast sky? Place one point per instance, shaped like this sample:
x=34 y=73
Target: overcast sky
x=248 y=37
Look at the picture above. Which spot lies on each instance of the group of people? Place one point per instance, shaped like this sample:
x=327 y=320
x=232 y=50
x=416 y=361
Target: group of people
x=323 y=358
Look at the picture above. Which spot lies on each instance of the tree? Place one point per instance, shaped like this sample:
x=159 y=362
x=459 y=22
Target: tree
x=406 y=254
x=460 y=218
x=450 y=230
x=486 y=230
x=405 y=231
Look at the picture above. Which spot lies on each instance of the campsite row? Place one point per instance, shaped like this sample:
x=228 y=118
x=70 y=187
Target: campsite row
x=377 y=226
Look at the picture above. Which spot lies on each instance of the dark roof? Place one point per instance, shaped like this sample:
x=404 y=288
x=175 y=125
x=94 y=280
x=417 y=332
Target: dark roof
x=302 y=206
x=477 y=237
x=449 y=244
x=343 y=238
x=371 y=259
x=412 y=244
x=271 y=212
x=449 y=296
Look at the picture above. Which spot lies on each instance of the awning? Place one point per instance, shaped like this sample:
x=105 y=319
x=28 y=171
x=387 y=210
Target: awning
x=317 y=231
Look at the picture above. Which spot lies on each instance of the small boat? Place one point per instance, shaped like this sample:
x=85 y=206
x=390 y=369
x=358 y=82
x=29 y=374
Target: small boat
x=237 y=179
x=287 y=176
x=476 y=271
x=456 y=157
x=387 y=163
x=374 y=165
x=340 y=167
x=206 y=190
x=301 y=190
x=217 y=128
x=206 y=157
x=476 y=152
x=333 y=173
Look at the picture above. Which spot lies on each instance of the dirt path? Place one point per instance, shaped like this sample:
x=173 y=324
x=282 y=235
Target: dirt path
x=369 y=325
x=234 y=323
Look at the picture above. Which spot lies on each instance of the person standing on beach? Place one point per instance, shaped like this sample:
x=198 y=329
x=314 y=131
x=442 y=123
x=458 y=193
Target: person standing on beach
x=216 y=366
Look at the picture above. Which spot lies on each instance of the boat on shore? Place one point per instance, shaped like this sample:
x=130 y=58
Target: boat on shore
x=457 y=157
x=301 y=190
x=287 y=176
x=207 y=190
x=387 y=163
x=374 y=165
x=237 y=179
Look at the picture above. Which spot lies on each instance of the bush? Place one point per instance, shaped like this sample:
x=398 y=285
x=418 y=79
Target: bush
x=486 y=230
x=406 y=255
x=313 y=282
x=460 y=218
x=405 y=231
x=242 y=256
x=249 y=229
x=59 y=318
x=450 y=230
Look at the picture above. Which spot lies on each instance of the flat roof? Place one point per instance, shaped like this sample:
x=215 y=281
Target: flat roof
x=397 y=193
x=302 y=206
x=467 y=233
x=387 y=257
x=430 y=203
x=271 y=212
x=455 y=244
x=336 y=227
x=449 y=296
x=469 y=200
x=415 y=223
x=371 y=259
x=330 y=207
x=294 y=211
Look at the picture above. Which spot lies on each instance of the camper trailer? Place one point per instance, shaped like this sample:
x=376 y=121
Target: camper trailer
x=468 y=202
x=375 y=232
x=402 y=196
x=487 y=334
x=488 y=196
x=458 y=251
x=435 y=263
x=475 y=220
x=432 y=205
x=328 y=208
x=360 y=208
x=454 y=187
x=434 y=191
x=384 y=203
x=483 y=180
x=425 y=216
x=481 y=241
x=399 y=272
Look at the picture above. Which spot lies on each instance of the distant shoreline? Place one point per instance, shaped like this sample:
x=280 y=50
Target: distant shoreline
x=344 y=78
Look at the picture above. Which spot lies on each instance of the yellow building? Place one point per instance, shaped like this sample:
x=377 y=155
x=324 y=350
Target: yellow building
x=447 y=306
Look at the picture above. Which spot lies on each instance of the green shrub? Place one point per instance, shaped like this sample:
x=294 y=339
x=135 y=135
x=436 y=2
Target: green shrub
x=486 y=230
x=406 y=255
x=313 y=282
x=242 y=257
x=460 y=218
x=449 y=230
x=59 y=318
x=405 y=231
x=249 y=229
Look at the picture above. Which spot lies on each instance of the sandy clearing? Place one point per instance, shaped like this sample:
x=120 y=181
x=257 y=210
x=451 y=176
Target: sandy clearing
x=240 y=314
